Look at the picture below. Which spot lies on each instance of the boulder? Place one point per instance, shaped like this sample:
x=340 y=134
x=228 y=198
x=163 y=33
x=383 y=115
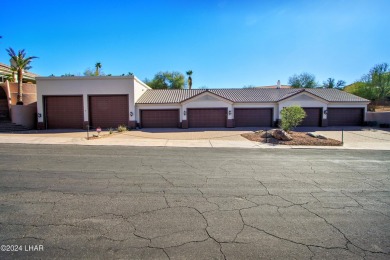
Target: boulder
x=316 y=135
x=281 y=135
x=267 y=134
x=321 y=137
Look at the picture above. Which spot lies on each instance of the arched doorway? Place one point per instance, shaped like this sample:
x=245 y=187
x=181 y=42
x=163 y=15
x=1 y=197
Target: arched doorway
x=4 y=112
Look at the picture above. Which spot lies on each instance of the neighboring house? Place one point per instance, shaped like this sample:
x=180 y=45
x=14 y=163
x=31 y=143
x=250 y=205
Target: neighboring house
x=5 y=72
x=76 y=102
x=276 y=86
x=9 y=92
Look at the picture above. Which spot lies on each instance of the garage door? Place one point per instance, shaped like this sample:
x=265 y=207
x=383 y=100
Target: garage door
x=210 y=117
x=64 y=112
x=253 y=117
x=313 y=117
x=345 y=116
x=160 y=118
x=108 y=111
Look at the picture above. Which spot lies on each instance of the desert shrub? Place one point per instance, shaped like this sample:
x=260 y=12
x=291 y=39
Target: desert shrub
x=291 y=117
x=122 y=128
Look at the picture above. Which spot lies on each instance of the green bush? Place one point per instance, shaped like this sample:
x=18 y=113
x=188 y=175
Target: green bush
x=122 y=128
x=291 y=117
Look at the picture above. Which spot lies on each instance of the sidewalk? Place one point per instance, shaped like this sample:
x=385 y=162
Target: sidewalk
x=372 y=139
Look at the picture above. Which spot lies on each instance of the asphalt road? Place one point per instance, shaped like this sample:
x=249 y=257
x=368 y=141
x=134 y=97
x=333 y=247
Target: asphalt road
x=193 y=203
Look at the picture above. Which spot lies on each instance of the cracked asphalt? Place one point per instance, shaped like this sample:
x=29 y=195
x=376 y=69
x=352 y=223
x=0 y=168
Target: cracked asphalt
x=194 y=203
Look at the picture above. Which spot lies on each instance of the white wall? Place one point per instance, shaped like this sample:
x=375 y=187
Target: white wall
x=139 y=89
x=52 y=86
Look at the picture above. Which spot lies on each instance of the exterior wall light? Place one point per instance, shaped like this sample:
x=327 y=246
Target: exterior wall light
x=184 y=112
x=131 y=114
x=325 y=112
x=39 y=115
x=230 y=112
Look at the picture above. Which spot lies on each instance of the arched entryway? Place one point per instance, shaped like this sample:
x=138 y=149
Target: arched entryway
x=4 y=112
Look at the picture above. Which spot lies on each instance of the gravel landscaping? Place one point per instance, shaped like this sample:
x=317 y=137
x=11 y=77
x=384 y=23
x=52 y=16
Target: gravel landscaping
x=298 y=138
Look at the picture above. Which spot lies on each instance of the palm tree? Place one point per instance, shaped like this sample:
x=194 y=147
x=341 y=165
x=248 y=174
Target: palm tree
x=19 y=63
x=189 y=73
x=98 y=66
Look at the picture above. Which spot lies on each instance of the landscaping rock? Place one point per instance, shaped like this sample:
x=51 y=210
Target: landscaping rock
x=316 y=135
x=281 y=135
x=266 y=134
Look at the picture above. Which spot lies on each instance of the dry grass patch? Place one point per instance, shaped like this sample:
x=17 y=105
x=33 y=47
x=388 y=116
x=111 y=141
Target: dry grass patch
x=299 y=138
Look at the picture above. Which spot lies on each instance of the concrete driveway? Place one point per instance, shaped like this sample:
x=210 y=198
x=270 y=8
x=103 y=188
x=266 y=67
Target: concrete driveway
x=354 y=138
x=94 y=202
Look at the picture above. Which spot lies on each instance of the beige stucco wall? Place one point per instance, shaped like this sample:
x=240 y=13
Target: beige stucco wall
x=85 y=86
x=379 y=117
x=24 y=115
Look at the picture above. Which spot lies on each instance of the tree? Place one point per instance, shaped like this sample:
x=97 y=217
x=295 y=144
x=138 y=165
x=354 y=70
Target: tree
x=189 y=73
x=291 y=117
x=19 y=63
x=378 y=79
x=128 y=74
x=98 y=66
x=303 y=80
x=330 y=83
x=373 y=86
x=166 y=80
x=88 y=72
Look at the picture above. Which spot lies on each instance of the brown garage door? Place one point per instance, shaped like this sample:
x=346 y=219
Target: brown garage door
x=345 y=116
x=108 y=111
x=64 y=112
x=313 y=116
x=168 y=118
x=253 y=117
x=210 y=117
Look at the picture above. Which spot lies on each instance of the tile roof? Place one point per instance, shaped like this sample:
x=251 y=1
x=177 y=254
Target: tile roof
x=250 y=95
x=335 y=95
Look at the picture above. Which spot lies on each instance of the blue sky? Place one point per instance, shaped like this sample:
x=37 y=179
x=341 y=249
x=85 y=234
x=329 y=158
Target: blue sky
x=227 y=44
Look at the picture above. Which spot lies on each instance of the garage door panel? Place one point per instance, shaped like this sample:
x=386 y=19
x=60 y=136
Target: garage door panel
x=168 y=118
x=64 y=112
x=108 y=111
x=214 y=117
x=345 y=116
x=253 y=117
x=313 y=117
